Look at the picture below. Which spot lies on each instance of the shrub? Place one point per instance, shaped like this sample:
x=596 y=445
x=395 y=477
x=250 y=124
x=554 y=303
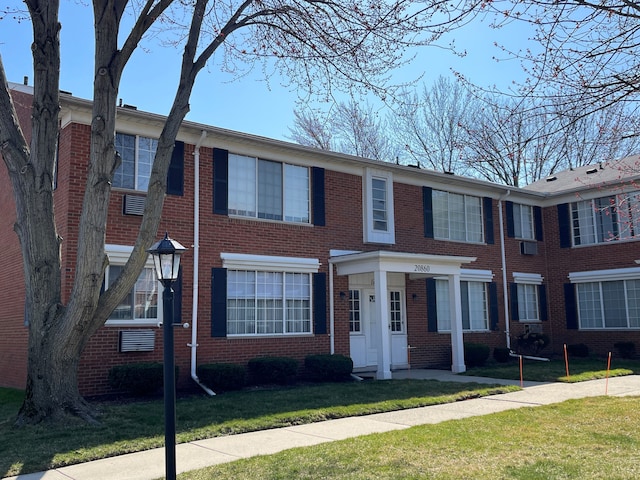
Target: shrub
x=578 y=350
x=329 y=368
x=137 y=378
x=222 y=377
x=625 y=349
x=532 y=342
x=279 y=370
x=501 y=354
x=476 y=354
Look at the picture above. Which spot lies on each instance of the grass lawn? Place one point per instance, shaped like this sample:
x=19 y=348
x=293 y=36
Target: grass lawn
x=134 y=426
x=588 y=439
x=580 y=369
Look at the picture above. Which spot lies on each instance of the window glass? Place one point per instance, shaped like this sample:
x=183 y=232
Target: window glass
x=474 y=306
x=379 y=195
x=354 y=311
x=265 y=189
x=605 y=219
x=395 y=311
x=268 y=303
x=136 y=154
x=613 y=299
x=457 y=217
x=523 y=221
x=589 y=305
x=142 y=302
x=528 y=302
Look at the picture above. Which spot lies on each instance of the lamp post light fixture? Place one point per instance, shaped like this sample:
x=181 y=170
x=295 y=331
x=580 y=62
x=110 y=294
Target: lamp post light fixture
x=166 y=260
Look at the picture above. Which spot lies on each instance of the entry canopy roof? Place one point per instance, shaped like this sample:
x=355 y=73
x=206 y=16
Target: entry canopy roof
x=418 y=265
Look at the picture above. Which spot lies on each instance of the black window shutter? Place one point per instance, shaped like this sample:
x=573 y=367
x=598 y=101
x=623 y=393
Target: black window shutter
x=317 y=182
x=542 y=302
x=488 y=220
x=219 y=302
x=427 y=208
x=175 y=176
x=513 y=288
x=570 y=307
x=537 y=220
x=511 y=229
x=493 y=306
x=320 y=303
x=220 y=181
x=564 y=225
x=432 y=311
x=177 y=298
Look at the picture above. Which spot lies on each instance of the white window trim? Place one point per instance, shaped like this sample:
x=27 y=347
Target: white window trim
x=605 y=275
x=530 y=278
x=371 y=235
x=266 y=263
x=118 y=255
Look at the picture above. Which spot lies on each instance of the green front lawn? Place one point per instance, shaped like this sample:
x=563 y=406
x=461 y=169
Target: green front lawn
x=580 y=369
x=139 y=425
x=588 y=439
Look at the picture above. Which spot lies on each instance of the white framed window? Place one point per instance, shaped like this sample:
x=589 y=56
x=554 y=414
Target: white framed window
x=378 y=212
x=608 y=299
x=528 y=296
x=137 y=154
x=268 y=190
x=457 y=217
x=140 y=306
x=355 y=324
x=269 y=295
x=606 y=219
x=523 y=221
x=475 y=307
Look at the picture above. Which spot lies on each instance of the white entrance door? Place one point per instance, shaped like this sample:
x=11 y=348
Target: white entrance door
x=365 y=329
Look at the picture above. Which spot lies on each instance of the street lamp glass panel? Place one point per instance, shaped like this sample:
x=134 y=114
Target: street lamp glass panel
x=166 y=258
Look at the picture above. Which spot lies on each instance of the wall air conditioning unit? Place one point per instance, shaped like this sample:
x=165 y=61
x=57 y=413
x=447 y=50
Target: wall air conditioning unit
x=136 y=341
x=529 y=248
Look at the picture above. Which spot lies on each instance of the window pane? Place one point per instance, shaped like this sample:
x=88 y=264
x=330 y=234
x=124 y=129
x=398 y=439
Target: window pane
x=296 y=194
x=633 y=302
x=269 y=190
x=354 y=311
x=146 y=153
x=146 y=295
x=379 y=198
x=457 y=229
x=589 y=306
x=242 y=185
x=478 y=311
x=440 y=214
x=395 y=311
x=614 y=304
x=442 y=305
x=606 y=220
x=523 y=221
x=582 y=220
x=528 y=302
x=124 y=176
x=473 y=211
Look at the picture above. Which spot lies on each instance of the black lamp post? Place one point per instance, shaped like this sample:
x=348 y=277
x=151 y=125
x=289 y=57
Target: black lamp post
x=166 y=260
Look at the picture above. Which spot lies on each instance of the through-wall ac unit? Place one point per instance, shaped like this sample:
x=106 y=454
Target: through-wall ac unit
x=529 y=248
x=136 y=341
x=133 y=204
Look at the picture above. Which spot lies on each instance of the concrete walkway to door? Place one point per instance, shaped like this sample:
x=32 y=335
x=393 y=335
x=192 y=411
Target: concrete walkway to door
x=149 y=465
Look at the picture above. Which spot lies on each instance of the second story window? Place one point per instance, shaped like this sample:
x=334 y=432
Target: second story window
x=137 y=154
x=378 y=207
x=605 y=219
x=523 y=221
x=457 y=217
x=269 y=190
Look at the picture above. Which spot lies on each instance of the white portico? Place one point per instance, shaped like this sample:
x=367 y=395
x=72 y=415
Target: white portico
x=382 y=267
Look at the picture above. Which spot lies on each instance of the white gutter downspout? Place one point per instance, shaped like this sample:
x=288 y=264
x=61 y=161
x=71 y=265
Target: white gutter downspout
x=504 y=271
x=331 y=313
x=196 y=264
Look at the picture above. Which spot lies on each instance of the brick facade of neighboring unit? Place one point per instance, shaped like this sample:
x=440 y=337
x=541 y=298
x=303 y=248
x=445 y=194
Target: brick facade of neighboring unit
x=339 y=196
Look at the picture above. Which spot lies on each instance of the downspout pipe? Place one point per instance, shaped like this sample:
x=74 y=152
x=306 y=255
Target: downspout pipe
x=196 y=264
x=331 y=311
x=504 y=270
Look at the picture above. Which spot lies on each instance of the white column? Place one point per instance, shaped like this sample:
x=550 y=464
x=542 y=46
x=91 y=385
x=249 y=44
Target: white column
x=457 y=340
x=384 y=346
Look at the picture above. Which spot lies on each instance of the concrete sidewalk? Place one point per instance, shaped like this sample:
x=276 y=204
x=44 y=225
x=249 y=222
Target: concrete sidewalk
x=149 y=465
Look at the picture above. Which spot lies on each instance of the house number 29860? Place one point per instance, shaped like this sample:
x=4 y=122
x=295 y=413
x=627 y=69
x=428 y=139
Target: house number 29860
x=422 y=268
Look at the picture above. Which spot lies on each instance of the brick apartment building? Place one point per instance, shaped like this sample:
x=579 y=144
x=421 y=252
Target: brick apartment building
x=294 y=251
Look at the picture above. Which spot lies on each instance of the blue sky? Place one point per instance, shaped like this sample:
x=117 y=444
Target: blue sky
x=247 y=104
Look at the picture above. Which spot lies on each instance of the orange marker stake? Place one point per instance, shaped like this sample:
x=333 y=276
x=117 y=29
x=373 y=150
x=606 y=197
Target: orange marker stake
x=566 y=362
x=521 y=382
x=606 y=385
